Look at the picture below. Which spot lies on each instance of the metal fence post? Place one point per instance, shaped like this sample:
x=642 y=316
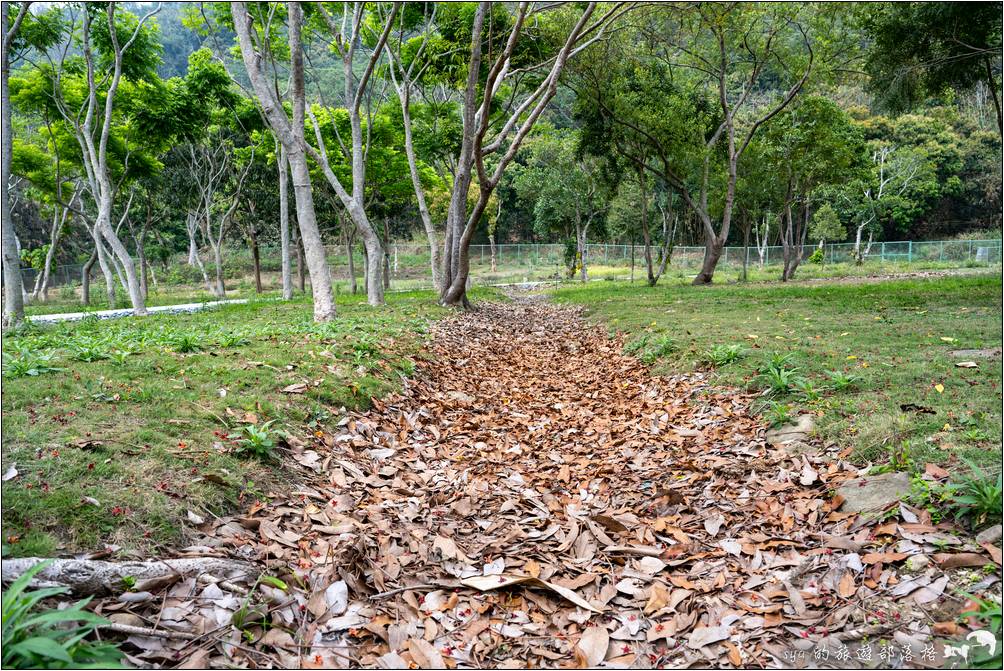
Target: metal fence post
x=970 y=257
x=941 y=256
x=883 y=252
x=909 y=252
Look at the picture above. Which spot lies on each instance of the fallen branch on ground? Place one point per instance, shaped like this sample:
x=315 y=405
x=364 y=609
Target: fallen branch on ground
x=95 y=577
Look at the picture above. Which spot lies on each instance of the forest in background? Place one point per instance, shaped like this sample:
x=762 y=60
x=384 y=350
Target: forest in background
x=143 y=132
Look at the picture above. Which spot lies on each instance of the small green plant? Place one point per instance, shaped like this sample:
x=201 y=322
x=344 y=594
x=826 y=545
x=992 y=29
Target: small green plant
x=842 y=381
x=120 y=356
x=258 y=440
x=184 y=343
x=50 y=638
x=806 y=389
x=234 y=339
x=816 y=257
x=779 y=379
x=778 y=414
x=975 y=496
x=649 y=347
x=87 y=351
x=27 y=364
x=723 y=355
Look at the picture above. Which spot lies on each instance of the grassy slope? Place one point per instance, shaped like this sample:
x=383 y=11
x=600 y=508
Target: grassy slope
x=891 y=335
x=138 y=431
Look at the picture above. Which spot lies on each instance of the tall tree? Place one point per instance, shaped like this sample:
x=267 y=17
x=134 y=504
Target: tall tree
x=490 y=142
x=13 y=305
x=290 y=133
x=115 y=47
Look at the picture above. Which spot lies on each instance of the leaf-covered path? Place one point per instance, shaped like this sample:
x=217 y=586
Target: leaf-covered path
x=536 y=497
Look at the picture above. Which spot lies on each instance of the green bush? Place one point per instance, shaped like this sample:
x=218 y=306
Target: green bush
x=49 y=638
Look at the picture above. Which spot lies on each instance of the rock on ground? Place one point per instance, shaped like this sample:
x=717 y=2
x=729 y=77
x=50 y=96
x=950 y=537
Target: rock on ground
x=874 y=492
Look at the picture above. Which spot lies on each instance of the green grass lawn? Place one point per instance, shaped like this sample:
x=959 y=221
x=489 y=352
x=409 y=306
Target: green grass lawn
x=136 y=424
x=871 y=359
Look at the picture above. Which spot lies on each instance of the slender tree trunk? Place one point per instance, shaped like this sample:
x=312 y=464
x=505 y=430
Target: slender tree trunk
x=287 y=271
x=193 y=249
x=491 y=242
x=404 y=95
x=386 y=256
x=41 y=291
x=13 y=284
x=85 y=278
x=580 y=235
x=350 y=248
x=256 y=260
x=995 y=93
x=301 y=280
x=645 y=231
x=746 y=248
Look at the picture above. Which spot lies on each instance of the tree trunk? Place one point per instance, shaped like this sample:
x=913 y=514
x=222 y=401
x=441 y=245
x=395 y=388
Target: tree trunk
x=746 y=249
x=386 y=256
x=106 y=270
x=141 y=256
x=291 y=134
x=646 y=233
x=255 y=260
x=13 y=284
x=491 y=242
x=193 y=249
x=301 y=280
x=85 y=279
x=287 y=271
x=580 y=237
x=41 y=291
x=404 y=96
x=310 y=239
x=350 y=248
x=713 y=247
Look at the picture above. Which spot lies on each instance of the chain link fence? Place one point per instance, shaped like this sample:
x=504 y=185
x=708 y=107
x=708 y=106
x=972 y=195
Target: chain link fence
x=409 y=264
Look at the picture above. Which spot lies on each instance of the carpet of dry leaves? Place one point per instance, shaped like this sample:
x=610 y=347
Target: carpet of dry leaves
x=534 y=497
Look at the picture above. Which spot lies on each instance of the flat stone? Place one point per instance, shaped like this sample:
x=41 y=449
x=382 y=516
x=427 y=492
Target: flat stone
x=989 y=353
x=990 y=534
x=462 y=397
x=874 y=492
x=917 y=563
x=790 y=433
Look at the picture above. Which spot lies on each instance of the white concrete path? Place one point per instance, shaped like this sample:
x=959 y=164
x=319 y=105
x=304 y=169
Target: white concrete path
x=127 y=312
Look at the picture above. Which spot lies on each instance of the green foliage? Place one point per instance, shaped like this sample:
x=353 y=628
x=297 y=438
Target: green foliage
x=778 y=414
x=35 y=637
x=826 y=225
x=258 y=441
x=921 y=49
x=26 y=362
x=88 y=350
x=778 y=377
x=816 y=256
x=842 y=381
x=975 y=496
x=723 y=355
x=649 y=347
x=185 y=343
